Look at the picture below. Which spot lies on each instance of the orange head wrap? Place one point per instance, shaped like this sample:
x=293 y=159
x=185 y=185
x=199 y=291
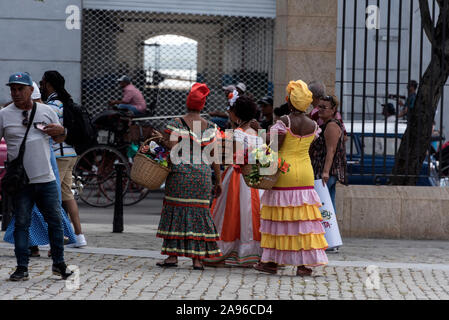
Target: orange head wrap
x=197 y=96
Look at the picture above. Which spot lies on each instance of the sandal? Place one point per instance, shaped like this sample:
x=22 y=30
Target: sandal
x=197 y=267
x=263 y=267
x=303 y=271
x=165 y=264
x=201 y=268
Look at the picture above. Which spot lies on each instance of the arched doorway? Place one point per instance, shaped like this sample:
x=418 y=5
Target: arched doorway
x=171 y=61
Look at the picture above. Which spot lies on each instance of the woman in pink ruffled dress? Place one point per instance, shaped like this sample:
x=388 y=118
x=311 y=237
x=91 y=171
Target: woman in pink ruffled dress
x=291 y=228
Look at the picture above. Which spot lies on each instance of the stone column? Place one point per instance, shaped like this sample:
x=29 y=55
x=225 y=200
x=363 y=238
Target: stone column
x=305 y=43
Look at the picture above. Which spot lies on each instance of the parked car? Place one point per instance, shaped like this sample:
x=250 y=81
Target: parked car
x=376 y=169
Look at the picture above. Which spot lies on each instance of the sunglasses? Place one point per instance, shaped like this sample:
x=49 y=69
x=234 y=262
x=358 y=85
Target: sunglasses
x=323 y=107
x=330 y=99
x=25 y=118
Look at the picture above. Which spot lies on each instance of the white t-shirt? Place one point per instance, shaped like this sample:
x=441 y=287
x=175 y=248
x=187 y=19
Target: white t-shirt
x=391 y=118
x=36 y=159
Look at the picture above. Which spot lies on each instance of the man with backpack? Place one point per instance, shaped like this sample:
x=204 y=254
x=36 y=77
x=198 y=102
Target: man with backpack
x=56 y=96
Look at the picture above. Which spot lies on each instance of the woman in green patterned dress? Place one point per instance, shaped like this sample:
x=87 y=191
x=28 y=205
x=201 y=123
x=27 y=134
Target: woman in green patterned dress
x=186 y=224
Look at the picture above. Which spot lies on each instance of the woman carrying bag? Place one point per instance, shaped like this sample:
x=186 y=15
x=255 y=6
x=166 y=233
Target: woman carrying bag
x=328 y=152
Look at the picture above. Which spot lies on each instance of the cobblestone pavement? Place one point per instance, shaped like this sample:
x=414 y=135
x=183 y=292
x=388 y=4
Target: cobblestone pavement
x=122 y=266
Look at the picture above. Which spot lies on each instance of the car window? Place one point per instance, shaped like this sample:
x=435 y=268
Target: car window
x=379 y=146
x=348 y=146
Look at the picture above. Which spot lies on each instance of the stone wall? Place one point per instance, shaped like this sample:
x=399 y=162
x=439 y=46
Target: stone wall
x=393 y=212
x=305 y=43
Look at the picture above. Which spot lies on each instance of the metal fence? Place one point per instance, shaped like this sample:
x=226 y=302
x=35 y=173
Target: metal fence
x=164 y=54
x=382 y=46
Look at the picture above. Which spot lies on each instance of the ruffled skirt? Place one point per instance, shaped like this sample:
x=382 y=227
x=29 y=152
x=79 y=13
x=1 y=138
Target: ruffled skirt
x=236 y=215
x=292 y=233
x=186 y=224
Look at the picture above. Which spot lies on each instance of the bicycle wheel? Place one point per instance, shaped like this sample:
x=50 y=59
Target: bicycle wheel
x=98 y=176
x=134 y=193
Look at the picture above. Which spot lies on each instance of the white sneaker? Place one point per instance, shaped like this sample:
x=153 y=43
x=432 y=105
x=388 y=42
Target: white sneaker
x=80 y=241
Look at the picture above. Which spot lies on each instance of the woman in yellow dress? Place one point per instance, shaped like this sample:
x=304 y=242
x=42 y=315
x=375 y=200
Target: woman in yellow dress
x=292 y=233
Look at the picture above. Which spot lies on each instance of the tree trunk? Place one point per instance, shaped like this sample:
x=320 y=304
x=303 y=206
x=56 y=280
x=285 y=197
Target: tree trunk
x=416 y=140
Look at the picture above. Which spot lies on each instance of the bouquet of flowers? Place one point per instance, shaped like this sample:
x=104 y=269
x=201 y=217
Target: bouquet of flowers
x=156 y=152
x=264 y=157
x=150 y=167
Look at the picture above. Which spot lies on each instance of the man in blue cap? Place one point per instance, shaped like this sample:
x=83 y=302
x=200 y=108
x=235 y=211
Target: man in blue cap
x=42 y=189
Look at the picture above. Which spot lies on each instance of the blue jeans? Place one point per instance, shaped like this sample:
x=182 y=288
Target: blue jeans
x=331 y=184
x=46 y=198
x=129 y=107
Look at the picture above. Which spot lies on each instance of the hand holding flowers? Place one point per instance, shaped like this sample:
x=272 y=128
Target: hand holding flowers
x=264 y=157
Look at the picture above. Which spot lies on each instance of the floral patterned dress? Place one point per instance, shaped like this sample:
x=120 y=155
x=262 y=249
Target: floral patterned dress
x=186 y=224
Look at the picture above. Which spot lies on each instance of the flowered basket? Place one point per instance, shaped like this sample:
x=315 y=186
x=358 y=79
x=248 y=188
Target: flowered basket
x=264 y=157
x=147 y=172
x=265 y=182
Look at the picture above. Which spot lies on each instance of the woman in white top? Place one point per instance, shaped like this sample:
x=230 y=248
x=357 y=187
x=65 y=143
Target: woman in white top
x=236 y=212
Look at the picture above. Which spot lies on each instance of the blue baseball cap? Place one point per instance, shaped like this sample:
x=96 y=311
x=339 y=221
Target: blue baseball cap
x=20 y=78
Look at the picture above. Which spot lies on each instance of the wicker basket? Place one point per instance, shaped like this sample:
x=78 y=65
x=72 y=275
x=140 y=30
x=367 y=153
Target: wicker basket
x=266 y=183
x=147 y=172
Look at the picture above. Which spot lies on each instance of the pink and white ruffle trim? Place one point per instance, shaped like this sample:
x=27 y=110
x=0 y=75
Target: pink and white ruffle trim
x=290 y=198
x=293 y=228
x=311 y=258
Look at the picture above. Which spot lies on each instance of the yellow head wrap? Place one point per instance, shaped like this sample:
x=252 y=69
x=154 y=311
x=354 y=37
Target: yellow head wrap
x=300 y=95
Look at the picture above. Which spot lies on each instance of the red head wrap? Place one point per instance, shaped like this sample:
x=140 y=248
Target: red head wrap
x=197 y=96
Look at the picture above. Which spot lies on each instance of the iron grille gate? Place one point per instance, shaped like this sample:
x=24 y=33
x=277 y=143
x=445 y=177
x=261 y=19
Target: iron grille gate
x=164 y=54
x=382 y=46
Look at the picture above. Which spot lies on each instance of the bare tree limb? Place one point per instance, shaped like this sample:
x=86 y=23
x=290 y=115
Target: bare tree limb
x=426 y=20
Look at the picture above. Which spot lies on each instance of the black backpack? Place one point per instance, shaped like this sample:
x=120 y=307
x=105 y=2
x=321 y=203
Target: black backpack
x=81 y=133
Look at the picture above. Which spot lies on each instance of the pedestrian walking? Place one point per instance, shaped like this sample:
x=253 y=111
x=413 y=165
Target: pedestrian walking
x=38 y=231
x=236 y=212
x=42 y=189
x=186 y=224
x=56 y=96
x=292 y=233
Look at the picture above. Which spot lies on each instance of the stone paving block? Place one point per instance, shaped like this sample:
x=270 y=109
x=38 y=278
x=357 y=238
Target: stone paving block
x=104 y=276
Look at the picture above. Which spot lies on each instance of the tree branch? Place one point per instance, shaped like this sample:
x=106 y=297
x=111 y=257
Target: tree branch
x=426 y=20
